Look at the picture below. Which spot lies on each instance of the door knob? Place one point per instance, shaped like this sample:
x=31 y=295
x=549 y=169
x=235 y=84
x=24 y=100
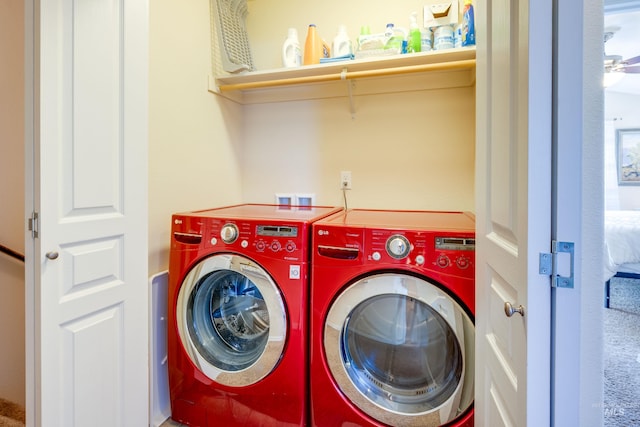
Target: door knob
x=51 y=255
x=510 y=310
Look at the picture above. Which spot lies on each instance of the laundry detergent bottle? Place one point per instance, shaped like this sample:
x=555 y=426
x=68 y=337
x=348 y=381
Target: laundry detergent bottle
x=313 y=49
x=468 y=35
x=291 y=54
x=341 y=45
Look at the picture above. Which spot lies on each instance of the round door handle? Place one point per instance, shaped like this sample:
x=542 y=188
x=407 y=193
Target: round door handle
x=51 y=255
x=510 y=310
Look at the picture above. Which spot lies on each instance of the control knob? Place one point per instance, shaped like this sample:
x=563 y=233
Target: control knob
x=275 y=246
x=398 y=246
x=443 y=261
x=462 y=262
x=229 y=233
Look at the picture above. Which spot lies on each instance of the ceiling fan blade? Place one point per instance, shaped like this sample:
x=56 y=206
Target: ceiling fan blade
x=631 y=70
x=631 y=61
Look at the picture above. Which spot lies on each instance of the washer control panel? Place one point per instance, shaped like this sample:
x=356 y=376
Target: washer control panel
x=281 y=241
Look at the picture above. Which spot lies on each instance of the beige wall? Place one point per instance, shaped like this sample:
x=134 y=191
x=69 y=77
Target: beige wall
x=12 y=217
x=405 y=151
x=412 y=150
x=195 y=140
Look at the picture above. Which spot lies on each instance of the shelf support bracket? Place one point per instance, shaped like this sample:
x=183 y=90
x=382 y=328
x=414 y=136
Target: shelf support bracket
x=343 y=77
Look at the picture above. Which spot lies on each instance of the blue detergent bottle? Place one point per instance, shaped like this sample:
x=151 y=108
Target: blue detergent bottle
x=468 y=24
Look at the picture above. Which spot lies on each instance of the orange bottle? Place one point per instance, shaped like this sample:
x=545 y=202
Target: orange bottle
x=312 y=47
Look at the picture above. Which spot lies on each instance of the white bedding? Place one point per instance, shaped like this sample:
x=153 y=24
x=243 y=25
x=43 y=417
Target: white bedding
x=621 y=242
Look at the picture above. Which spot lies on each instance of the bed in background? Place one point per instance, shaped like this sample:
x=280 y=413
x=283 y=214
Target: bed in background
x=622 y=247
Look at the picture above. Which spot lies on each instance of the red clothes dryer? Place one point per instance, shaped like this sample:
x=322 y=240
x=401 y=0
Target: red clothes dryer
x=237 y=315
x=392 y=319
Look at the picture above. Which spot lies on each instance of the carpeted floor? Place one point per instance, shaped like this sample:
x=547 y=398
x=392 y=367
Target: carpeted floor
x=622 y=355
x=11 y=414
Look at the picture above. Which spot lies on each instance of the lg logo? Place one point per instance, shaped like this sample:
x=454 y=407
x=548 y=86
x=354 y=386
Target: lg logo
x=323 y=232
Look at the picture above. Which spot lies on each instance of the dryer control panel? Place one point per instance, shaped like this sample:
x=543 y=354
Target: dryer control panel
x=456 y=251
x=447 y=253
x=423 y=249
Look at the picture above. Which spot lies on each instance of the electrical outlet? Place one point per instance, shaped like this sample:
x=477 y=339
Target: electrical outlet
x=345 y=180
x=306 y=199
x=284 y=199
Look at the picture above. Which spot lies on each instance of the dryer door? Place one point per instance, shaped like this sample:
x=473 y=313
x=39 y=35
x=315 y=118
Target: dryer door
x=402 y=350
x=231 y=319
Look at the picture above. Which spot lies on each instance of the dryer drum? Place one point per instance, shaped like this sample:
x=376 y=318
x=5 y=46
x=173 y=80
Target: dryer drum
x=403 y=352
x=228 y=320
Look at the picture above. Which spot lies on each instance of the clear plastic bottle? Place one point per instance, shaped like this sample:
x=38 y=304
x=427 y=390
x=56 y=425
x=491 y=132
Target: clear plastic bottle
x=443 y=37
x=457 y=36
x=395 y=37
x=425 y=39
x=291 y=53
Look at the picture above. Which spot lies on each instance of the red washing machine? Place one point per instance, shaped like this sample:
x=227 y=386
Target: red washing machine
x=392 y=319
x=237 y=315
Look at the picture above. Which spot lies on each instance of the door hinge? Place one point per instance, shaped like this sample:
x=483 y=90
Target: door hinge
x=548 y=265
x=34 y=225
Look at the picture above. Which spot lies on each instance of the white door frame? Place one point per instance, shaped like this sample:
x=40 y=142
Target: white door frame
x=578 y=144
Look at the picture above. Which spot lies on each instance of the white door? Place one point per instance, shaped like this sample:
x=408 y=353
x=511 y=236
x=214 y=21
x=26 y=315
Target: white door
x=87 y=292
x=513 y=208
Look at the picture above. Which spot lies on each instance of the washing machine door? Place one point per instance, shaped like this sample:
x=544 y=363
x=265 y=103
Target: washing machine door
x=401 y=350
x=231 y=319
